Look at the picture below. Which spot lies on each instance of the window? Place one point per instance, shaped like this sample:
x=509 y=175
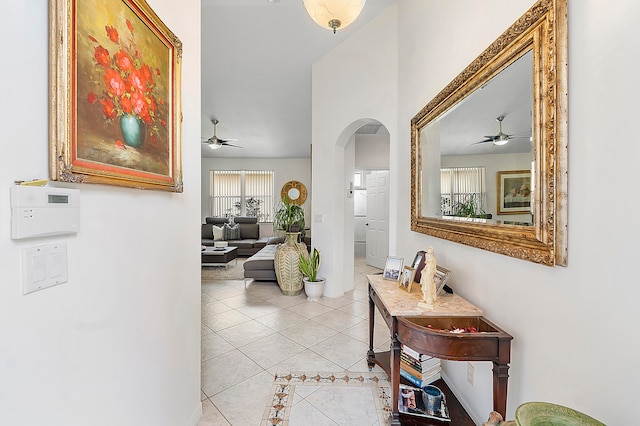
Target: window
x=463 y=191
x=241 y=193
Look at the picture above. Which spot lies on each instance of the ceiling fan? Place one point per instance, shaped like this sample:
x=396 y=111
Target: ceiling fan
x=502 y=138
x=215 y=142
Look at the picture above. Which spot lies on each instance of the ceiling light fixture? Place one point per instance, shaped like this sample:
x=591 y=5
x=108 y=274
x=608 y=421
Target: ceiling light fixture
x=334 y=14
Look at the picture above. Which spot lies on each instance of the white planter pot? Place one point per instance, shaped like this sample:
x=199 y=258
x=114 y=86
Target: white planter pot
x=314 y=289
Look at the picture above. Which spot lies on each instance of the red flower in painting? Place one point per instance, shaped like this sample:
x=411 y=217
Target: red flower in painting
x=129 y=84
x=136 y=81
x=102 y=56
x=112 y=33
x=139 y=103
x=109 y=108
x=125 y=103
x=114 y=82
x=152 y=104
x=123 y=60
x=147 y=75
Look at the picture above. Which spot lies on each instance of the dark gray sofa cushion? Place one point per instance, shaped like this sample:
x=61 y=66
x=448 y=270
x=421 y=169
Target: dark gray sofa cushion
x=260 y=266
x=242 y=244
x=245 y=219
x=207 y=231
x=249 y=227
x=216 y=220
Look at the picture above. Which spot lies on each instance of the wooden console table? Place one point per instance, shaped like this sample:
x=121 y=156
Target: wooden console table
x=409 y=324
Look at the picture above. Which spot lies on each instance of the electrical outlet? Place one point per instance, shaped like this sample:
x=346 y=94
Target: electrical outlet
x=470 y=372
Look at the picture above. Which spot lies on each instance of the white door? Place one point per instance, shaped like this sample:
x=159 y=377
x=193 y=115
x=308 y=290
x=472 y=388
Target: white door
x=377 y=219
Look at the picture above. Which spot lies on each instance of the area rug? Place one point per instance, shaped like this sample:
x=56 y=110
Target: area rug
x=233 y=271
x=279 y=408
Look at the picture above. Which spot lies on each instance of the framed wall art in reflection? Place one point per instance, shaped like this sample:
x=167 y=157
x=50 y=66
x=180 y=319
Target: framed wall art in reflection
x=514 y=192
x=115 y=112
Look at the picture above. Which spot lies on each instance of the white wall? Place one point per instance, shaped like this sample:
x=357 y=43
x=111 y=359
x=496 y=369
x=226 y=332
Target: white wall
x=119 y=343
x=574 y=327
x=285 y=170
x=372 y=152
x=368 y=97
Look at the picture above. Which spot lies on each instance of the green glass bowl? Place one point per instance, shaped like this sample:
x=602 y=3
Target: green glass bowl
x=547 y=414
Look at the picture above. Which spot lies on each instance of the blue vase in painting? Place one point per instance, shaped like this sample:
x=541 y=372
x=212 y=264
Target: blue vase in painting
x=133 y=130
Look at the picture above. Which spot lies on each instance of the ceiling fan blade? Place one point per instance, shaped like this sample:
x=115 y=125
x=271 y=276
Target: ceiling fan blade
x=489 y=139
x=228 y=144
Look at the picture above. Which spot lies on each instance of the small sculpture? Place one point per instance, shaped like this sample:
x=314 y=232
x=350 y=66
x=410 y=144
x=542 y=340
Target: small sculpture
x=427 y=282
x=495 y=419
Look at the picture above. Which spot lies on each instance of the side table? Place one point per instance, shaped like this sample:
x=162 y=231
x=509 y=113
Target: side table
x=419 y=328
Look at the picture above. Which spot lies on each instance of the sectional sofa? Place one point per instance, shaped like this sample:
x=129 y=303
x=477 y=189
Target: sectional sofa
x=244 y=234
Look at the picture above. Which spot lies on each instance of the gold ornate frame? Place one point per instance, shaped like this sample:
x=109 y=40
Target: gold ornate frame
x=542 y=28
x=110 y=59
x=297 y=186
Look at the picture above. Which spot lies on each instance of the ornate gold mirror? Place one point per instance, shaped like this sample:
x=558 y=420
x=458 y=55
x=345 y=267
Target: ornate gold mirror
x=295 y=191
x=489 y=152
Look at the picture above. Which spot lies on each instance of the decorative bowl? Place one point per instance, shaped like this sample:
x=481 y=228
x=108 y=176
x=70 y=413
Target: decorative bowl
x=547 y=414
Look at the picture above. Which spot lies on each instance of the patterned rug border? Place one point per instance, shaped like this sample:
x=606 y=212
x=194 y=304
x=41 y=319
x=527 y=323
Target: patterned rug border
x=278 y=408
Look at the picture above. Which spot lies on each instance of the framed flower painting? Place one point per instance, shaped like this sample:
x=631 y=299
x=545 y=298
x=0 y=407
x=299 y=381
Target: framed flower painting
x=115 y=110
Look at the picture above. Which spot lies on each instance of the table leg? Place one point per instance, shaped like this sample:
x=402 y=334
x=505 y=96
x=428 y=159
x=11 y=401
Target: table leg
x=394 y=420
x=500 y=378
x=371 y=355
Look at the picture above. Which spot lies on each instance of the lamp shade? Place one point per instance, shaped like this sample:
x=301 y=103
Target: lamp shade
x=334 y=14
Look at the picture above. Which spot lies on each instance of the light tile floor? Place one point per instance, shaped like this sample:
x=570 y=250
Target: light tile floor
x=249 y=335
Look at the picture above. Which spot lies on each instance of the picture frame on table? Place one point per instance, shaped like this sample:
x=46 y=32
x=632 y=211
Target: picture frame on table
x=115 y=95
x=418 y=264
x=393 y=268
x=441 y=277
x=406 y=280
x=514 y=192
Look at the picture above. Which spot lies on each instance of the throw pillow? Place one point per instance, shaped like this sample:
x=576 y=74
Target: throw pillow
x=231 y=232
x=218 y=233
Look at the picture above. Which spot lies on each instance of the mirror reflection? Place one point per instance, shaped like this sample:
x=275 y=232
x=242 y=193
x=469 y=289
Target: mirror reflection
x=489 y=151
x=477 y=157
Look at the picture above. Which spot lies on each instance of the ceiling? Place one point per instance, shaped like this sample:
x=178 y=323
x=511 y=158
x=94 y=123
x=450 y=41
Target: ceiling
x=508 y=94
x=256 y=73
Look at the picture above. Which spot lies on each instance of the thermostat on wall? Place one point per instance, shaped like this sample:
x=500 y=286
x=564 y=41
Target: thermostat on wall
x=40 y=211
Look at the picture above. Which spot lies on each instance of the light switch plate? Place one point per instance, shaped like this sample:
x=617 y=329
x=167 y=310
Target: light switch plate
x=43 y=266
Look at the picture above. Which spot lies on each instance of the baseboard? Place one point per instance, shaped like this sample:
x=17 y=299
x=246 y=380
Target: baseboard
x=195 y=416
x=465 y=404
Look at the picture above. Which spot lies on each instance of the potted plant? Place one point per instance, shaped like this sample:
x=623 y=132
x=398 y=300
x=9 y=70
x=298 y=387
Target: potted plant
x=309 y=265
x=289 y=217
x=469 y=206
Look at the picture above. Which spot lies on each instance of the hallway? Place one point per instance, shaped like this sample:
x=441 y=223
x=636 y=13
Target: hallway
x=248 y=336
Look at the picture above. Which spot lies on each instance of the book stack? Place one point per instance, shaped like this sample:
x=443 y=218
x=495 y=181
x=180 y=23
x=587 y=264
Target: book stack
x=419 y=369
